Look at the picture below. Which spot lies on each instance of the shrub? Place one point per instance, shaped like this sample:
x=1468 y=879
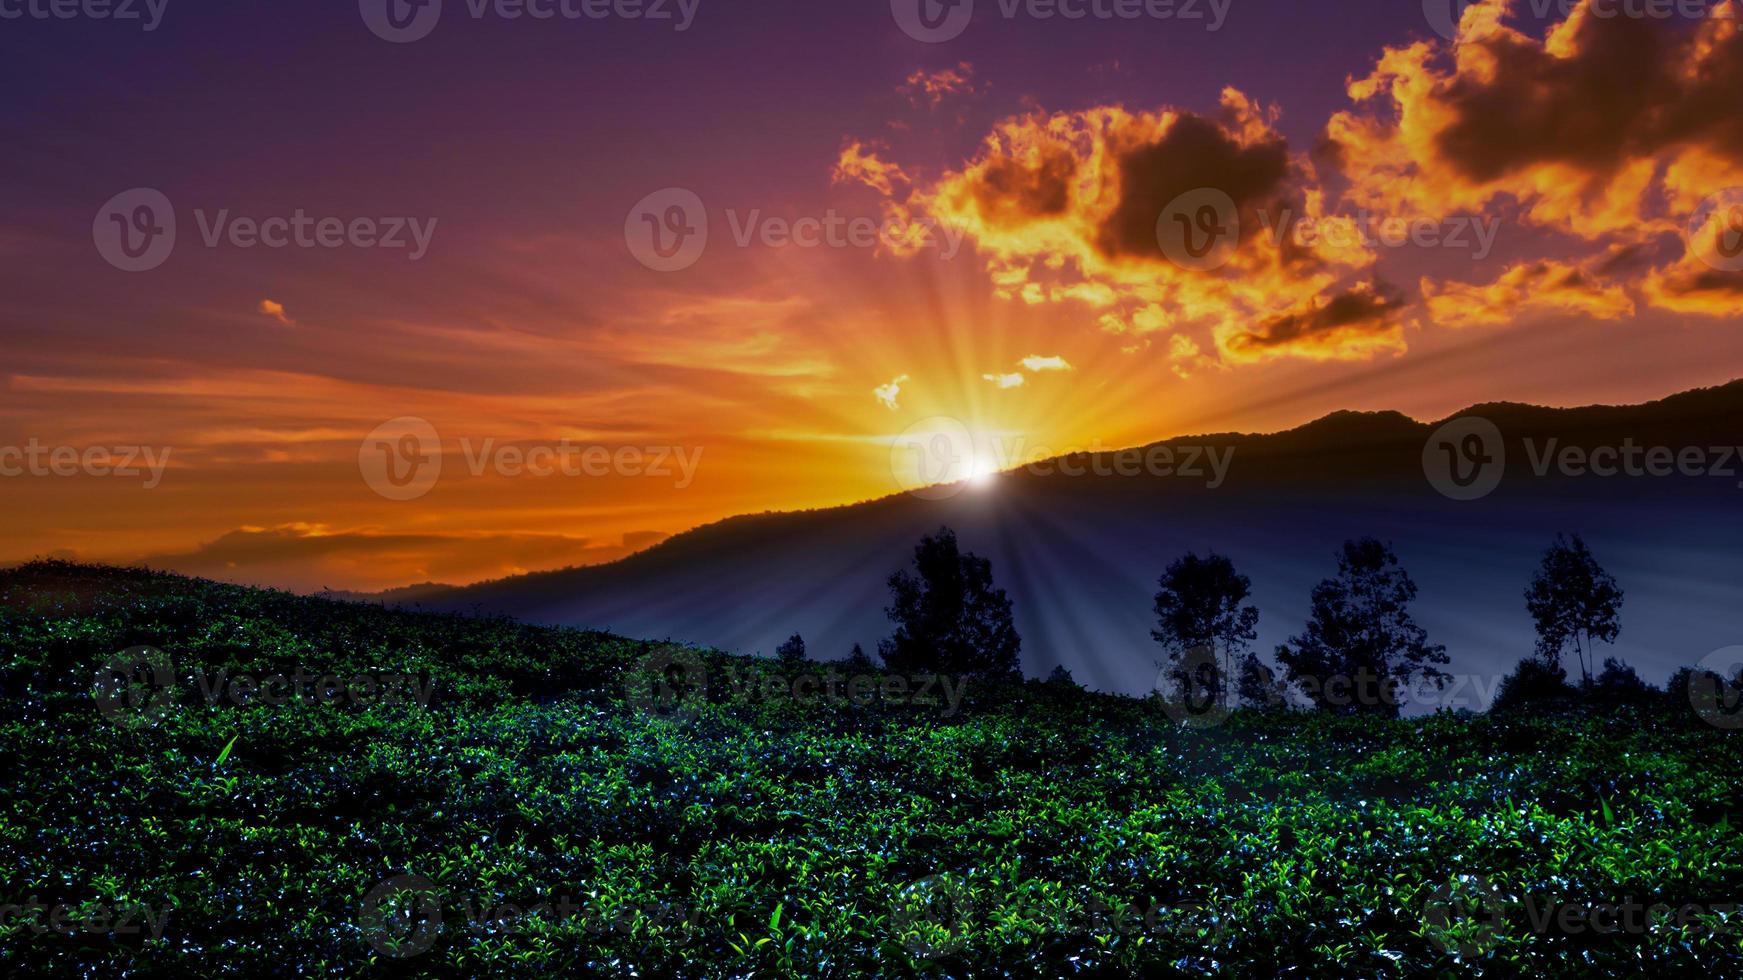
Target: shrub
x=1533 y=685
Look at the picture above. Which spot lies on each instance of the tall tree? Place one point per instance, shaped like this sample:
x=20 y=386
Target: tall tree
x=1199 y=606
x=949 y=618
x=1574 y=602
x=1258 y=685
x=1361 y=643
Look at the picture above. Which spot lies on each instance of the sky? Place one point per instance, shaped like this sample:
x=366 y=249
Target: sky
x=438 y=303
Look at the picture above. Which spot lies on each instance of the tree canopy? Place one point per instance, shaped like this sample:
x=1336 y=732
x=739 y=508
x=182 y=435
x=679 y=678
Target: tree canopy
x=948 y=616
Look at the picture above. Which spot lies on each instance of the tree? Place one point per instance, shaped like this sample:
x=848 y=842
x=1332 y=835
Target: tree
x=949 y=618
x=1620 y=684
x=1361 y=643
x=1257 y=685
x=792 y=652
x=1716 y=699
x=859 y=662
x=1534 y=684
x=1574 y=603
x=1199 y=607
x=1061 y=678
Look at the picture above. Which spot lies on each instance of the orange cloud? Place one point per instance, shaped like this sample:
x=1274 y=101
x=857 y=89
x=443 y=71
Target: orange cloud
x=1360 y=322
x=1546 y=286
x=886 y=394
x=1609 y=129
x=1689 y=287
x=275 y=309
x=1575 y=126
x=859 y=163
x=926 y=89
x=1081 y=208
x=1708 y=279
x=1186 y=356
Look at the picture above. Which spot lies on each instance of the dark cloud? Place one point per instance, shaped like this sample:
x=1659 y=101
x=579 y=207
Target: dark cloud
x=1609 y=128
x=1595 y=109
x=1194 y=153
x=1013 y=192
x=1365 y=316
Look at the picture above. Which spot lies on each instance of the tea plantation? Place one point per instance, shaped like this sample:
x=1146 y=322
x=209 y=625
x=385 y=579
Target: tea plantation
x=301 y=787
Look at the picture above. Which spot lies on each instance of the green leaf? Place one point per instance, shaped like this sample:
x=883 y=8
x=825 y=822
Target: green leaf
x=226 y=753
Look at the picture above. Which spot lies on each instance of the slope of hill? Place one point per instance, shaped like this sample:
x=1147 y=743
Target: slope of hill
x=465 y=797
x=1080 y=554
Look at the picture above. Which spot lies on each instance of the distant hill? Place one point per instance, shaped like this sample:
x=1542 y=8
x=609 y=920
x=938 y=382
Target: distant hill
x=1080 y=554
x=400 y=596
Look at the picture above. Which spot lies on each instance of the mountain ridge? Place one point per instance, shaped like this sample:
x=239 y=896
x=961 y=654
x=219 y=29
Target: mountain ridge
x=1349 y=423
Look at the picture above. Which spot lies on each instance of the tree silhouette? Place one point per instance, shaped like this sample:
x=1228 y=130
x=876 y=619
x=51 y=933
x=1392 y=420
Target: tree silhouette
x=792 y=652
x=1258 y=686
x=1534 y=684
x=1361 y=643
x=1619 y=684
x=1198 y=607
x=859 y=661
x=949 y=618
x=1574 y=603
x=1715 y=698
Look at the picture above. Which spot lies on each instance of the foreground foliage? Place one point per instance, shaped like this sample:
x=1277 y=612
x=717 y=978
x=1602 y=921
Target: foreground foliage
x=1040 y=831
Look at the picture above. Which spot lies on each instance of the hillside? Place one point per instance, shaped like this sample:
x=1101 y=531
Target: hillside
x=537 y=801
x=1080 y=555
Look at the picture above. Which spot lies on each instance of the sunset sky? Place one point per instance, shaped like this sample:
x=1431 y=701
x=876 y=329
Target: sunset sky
x=1581 y=176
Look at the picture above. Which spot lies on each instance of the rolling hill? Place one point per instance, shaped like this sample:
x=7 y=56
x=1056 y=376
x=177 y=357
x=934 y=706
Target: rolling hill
x=1080 y=554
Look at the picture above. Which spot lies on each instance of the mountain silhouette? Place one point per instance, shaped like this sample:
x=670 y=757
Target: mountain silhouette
x=1080 y=554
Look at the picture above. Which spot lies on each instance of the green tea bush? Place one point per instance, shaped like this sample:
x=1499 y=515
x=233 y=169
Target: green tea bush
x=565 y=802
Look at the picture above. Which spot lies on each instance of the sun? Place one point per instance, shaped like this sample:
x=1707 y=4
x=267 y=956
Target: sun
x=983 y=471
